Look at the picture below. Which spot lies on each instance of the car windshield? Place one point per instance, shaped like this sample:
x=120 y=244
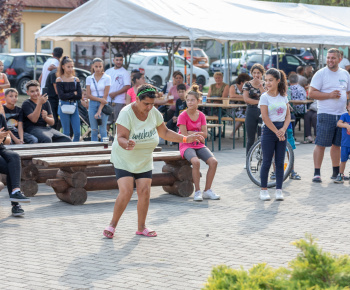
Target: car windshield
x=136 y=59
x=6 y=59
x=257 y=58
x=196 y=53
x=236 y=55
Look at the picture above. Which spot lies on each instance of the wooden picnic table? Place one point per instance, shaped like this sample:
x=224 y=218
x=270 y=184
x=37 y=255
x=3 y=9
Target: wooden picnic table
x=221 y=99
x=220 y=107
x=72 y=181
x=301 y=102
x=54 y=145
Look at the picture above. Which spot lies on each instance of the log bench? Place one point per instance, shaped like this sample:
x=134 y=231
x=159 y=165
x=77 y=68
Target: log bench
x=78 y=175
x=32 y=174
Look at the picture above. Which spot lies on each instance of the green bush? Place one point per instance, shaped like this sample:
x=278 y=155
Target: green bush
x=312 y=269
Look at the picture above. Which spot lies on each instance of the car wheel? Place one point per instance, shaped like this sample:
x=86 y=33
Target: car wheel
x=21 y=87
x=157 y=81
x=201 y=80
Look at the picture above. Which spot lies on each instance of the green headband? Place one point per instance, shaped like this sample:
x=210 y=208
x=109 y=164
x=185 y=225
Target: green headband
x=145 y=91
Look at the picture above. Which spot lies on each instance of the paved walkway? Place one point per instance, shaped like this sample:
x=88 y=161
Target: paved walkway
x=60 y=246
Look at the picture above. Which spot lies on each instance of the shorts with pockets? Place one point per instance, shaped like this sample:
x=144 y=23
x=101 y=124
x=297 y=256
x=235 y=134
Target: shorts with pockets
x=119 y=173
x=202 y=153
x=328 y=133
x=345 y=152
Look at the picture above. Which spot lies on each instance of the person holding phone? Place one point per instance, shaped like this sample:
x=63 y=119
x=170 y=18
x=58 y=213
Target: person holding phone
x=10 y=164
x=37 y=115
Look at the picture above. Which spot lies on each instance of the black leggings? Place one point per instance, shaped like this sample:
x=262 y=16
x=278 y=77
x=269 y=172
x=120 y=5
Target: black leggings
x=10 y=164
x=252 y=119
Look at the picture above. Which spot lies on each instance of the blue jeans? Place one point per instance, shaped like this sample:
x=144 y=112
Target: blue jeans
x=271 y=145
x=93 y=107
x=67 y=119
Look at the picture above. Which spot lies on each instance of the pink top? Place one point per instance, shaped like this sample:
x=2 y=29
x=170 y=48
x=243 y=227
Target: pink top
x=196 y=126
x=173 y=92
x=132 y=95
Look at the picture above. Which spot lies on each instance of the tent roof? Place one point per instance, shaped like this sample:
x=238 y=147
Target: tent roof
x=163 y=20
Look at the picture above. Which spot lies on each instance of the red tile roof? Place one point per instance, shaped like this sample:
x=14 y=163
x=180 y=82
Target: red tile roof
x=68 y=4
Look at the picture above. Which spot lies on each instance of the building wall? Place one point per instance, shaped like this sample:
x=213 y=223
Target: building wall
x=32 y=21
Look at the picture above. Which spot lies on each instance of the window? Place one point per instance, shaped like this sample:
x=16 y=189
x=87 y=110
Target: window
x=152 y=61
x=291 y=60
x=17 y=40
x=40 y=60
x=179 y=62
x=136 y=59
x=163 y=61
x=46 y=46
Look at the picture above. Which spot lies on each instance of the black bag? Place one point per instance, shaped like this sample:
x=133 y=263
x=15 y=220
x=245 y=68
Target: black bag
x=107 y=109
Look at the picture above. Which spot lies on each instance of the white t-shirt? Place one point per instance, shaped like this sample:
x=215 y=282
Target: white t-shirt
x=344 y=62
x=326 y=81
x=45 y=72
x=120 y=78
x=104 y=81
x=277 y=106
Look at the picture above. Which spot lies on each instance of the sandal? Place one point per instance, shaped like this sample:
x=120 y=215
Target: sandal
x=147 y=232
x=109 y=229
x=295 y=176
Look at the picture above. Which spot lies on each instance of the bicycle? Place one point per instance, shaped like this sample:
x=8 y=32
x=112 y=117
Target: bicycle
x=254 y=162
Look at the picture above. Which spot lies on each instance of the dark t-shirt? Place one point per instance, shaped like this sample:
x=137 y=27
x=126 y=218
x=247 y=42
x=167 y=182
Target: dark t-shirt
x=13 y=117
x=254 y=93
x=180 y=106
x=345 y=136
x=51 y=79
x=28 y=107
x=3 y=125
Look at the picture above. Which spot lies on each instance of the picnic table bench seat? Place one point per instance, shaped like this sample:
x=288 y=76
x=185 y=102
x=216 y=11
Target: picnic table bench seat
x=77 y=175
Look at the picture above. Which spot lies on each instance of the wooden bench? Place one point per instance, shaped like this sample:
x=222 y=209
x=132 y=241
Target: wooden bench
x=78 y=175
x=212 y=128
x=53 y=145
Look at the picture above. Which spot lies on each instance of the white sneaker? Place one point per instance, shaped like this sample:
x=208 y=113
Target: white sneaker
x=279 y=194
x=210 y=194
x=198 y=196
x=264 y=195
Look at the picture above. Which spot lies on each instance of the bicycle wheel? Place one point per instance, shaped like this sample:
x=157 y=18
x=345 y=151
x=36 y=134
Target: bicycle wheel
x=254 y=162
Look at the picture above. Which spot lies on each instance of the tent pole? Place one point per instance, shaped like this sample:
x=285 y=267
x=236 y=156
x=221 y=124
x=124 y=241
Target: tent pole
x=277 y=60
x=229 y=62
x=35 y=48
x=109 y=52
x=262 y=54
x=191 y=62
x=226 y=64
x=230 y=52
x=220 y=56
x=173 y=58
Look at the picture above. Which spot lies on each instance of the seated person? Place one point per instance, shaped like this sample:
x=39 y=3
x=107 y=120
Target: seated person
x=180 y=106
x=194 y=81
x=236 y=93
x=14 y=118
x=37 y=115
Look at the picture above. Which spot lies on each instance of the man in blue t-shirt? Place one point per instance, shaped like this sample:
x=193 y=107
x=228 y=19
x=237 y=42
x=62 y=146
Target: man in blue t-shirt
x=344 y=123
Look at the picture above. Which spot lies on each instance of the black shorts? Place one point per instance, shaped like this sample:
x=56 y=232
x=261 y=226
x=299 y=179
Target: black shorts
x=119 y=173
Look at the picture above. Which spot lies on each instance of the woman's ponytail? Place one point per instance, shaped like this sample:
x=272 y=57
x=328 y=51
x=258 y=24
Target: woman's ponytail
x=279 y=75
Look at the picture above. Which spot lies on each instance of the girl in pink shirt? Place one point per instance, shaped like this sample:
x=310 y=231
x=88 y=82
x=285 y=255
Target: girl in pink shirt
x=189 y=122
x=138 y=79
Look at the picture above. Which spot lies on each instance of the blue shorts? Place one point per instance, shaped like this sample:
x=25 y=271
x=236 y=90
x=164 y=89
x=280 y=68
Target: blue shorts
x=328 y=133
x=120 y=173
x=345 y=152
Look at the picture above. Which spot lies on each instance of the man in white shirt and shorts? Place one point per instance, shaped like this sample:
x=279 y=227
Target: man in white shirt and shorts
x=344 y=63
x=52 y=63
x=330 y=87
x=120 y=84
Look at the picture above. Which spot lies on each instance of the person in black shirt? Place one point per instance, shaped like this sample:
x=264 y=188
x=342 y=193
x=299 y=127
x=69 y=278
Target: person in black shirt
x=10 y=164
x=180 y=106
x=14 y=118
x=37 y=115
x=53 y=97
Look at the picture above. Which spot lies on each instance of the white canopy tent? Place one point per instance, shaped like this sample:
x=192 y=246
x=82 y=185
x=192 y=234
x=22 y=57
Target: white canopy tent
x=224 y=20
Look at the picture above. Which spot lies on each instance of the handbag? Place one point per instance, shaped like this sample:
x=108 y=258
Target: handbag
x=107 y=109
x=69 y=109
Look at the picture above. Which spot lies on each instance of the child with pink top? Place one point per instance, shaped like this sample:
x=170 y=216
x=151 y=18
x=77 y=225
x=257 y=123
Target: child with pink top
x=138 y=79
x=189 y=122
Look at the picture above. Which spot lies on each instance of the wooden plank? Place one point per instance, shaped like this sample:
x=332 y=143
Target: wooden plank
x=54 y=145
x=225 y=106
x=92 y=160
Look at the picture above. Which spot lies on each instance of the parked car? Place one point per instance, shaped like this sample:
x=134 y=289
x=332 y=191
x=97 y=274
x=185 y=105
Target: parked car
x=200 y=59
x=287 y=62
x=239 y=58
x=19 y=68
x=155 y=66
x=305 y=54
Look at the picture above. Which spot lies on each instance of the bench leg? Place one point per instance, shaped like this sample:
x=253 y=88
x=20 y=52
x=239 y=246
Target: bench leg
x=244 y=136
x=212 y=139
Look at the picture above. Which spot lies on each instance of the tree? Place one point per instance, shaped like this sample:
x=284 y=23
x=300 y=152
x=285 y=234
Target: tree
x=169 y=49
x=10 y=18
